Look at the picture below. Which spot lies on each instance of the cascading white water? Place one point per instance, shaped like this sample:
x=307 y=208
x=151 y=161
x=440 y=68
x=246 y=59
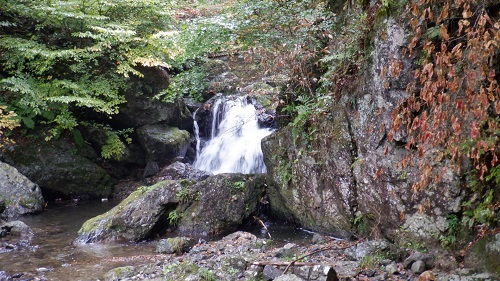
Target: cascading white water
x=234 y=146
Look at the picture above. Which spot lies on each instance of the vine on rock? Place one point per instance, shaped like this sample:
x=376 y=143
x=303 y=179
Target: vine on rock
x=454 y=98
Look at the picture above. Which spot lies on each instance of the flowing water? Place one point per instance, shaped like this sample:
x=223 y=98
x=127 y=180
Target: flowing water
x=54 y=257
x=234 y=144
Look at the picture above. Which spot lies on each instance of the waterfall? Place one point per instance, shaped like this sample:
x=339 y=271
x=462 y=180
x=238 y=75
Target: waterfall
x=234 y=144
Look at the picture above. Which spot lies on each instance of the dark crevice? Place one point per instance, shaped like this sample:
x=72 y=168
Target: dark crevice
x=353 y=204
x=163 y=225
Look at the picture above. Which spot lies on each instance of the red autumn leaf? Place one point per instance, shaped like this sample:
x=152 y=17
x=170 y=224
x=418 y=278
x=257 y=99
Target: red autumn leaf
x=474 y=132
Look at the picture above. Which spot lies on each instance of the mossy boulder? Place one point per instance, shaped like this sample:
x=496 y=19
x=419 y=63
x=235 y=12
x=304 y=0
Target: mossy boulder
x=174 y=245
x=18 y=194
x=222 y=204
x=163 y=143
x=134 y=218
x=60 y=169
x=219 y=204
x=142 y=108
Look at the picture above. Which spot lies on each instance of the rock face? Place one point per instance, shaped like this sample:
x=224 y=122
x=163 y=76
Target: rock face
x=142 y=109
x=485 y=255
x=218 y=204
x=343 y=177
x=59 y=171
x=17 y=193
x=162 y=143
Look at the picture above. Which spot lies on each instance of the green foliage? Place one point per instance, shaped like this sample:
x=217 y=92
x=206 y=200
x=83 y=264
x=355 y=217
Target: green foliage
x=173 y=217
x=190 y=83
x=185 y=194
x=483 y=212
x=239 y=185
x=61 y=58
x=207 y=274
x=7 y=123
x=450 y=238
x=372 y=261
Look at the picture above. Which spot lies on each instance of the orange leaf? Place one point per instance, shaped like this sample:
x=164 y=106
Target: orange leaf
x=444 y=13
x=444 y=32
x=466 y=13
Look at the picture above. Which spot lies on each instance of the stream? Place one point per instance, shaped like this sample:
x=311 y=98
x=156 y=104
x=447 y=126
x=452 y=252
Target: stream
x=54 y=257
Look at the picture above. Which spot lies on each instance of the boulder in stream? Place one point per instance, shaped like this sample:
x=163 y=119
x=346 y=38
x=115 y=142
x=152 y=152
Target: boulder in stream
x=18 y=194
x=218 y=204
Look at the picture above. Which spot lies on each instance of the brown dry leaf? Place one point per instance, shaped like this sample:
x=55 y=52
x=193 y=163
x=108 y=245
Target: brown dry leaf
x=443 y=31
x=466 y=13
x=444 y=13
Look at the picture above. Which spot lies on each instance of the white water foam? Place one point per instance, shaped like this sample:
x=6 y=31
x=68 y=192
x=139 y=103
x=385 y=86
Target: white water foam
x=234 y=146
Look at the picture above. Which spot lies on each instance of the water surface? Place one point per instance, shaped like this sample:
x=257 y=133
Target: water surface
x=54 y=257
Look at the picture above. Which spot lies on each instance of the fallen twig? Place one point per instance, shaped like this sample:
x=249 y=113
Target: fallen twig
x=263 y=225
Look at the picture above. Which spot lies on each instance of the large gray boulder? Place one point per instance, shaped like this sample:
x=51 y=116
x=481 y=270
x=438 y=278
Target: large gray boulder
x=19 y=195
x=222 y=203
x=60 y=169
x=163 y=143
x=134 y=218
x=216 y=205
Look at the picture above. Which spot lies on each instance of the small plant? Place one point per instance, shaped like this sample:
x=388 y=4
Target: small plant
x=207 y=275
x=182 y=194
x=239 y=185
x=483 y=213
x=453 y=226
x=173 y=217
x=417 y=246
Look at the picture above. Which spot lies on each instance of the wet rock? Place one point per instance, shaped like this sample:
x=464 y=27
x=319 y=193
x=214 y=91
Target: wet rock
x=18 y=195
x=163 y=143
x=222 y=203
x=60 y=170
x=218 y=204
x=418 y=267
x=17 y=229
x=134 y=218
x=174 y=245
x=120 y=273
x=179 y=170
x=370 y=248
x=271 y=272
x=151 y=169
x=4 y=276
